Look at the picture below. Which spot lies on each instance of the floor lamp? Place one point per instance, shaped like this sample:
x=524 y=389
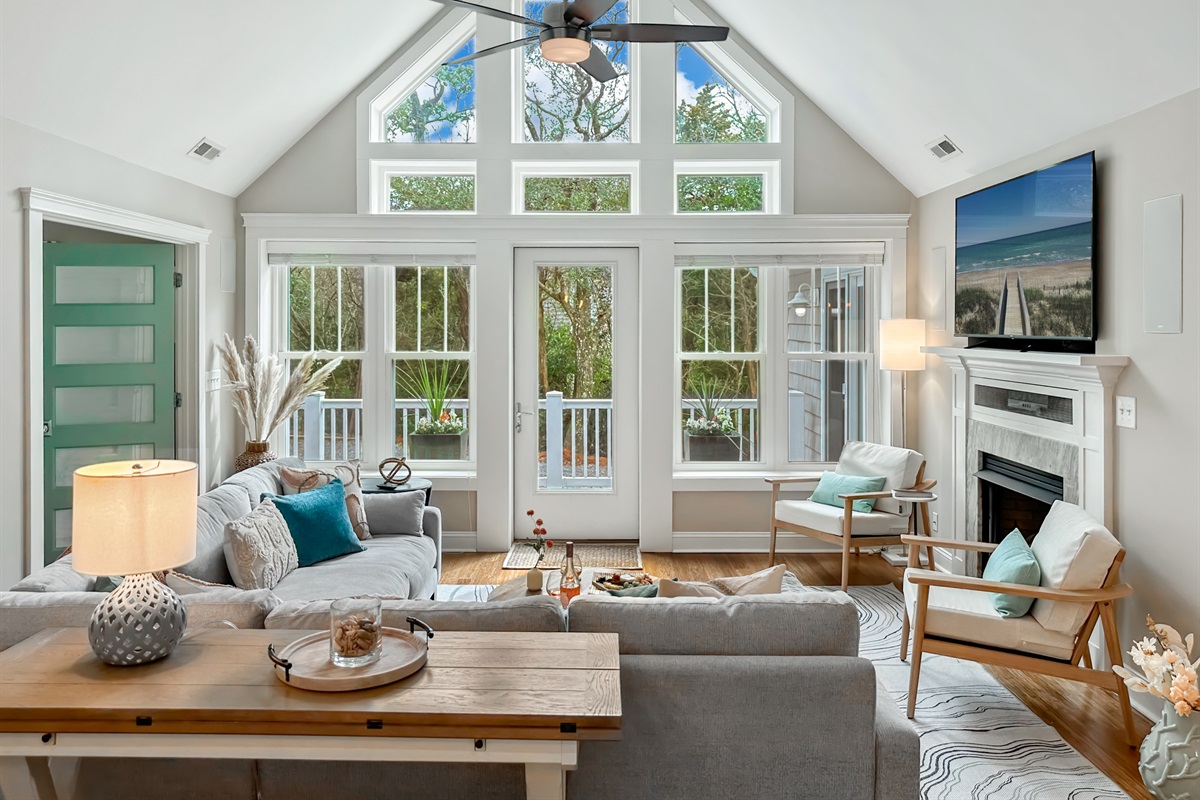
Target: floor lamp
x=900 y=343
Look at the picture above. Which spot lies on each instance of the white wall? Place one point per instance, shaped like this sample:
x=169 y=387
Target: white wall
x=29 y=157
x=1157 y=472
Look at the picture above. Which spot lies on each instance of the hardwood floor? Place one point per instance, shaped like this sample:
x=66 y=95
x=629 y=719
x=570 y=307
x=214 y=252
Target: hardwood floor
x=1086 y=717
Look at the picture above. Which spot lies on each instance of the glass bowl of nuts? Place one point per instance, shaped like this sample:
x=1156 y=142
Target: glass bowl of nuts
x=355 y=631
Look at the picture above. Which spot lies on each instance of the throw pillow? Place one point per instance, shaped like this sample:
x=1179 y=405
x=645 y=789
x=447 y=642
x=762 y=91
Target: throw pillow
x=647 y=590
x=399 y=512
x=259 y=549
x=296 y=481
x=186 y=584
x=833 y=484
x=319 y=523
x=767 y=581
x=58 y=576
x=1013 y=562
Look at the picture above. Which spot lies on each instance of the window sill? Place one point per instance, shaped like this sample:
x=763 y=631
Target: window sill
x=737 y=481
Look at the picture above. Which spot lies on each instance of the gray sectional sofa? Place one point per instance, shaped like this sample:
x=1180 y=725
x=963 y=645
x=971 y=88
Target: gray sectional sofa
x=739 y=697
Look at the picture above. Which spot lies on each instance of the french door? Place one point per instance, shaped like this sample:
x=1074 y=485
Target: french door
x=576 y=389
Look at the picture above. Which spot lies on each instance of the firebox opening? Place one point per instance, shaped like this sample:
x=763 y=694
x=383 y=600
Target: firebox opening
x=1013 y=495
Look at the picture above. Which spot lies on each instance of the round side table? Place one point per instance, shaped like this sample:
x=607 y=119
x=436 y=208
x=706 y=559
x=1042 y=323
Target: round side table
x=413 y=484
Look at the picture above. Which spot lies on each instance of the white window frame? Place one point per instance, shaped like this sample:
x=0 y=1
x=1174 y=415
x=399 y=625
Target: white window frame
x=575 y=169
x=773 y=456
x=383 y=170
x=768 y=169
x=379 y=355
x=416 y=73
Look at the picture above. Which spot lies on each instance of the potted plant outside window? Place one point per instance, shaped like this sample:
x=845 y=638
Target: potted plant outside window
x=440 y=434
x=710 y=435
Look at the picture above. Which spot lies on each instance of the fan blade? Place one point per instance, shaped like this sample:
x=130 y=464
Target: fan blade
x=585 y=12
x=598 y=66
x=660 y=32
x=500 y=48
x=492 y=12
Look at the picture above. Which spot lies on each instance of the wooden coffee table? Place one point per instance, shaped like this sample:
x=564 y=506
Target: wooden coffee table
x=216 y=697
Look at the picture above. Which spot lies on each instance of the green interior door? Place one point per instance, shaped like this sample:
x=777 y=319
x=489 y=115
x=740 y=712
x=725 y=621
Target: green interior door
x=109 y=343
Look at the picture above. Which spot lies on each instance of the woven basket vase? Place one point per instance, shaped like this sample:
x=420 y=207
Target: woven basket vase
x=255 y=453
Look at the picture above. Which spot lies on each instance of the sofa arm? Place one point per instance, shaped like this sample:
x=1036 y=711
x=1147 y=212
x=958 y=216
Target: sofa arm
x=897 y=751
x=431 y=526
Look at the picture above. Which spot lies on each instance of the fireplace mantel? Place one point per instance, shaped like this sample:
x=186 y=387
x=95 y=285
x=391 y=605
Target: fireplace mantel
x=1053 y=411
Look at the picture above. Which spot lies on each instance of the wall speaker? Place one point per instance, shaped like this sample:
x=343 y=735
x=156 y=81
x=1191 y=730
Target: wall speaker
x=1162 y=265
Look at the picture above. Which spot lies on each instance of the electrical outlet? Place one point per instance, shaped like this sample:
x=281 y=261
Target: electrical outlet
x=1126 y=412
x=933 y=521
x=213 y=380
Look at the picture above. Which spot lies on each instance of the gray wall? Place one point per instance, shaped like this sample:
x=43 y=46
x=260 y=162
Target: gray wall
x=29 y=157
x=1157 y=473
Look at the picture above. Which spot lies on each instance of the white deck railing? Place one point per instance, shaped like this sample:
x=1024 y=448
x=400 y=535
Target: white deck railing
x=331 y=430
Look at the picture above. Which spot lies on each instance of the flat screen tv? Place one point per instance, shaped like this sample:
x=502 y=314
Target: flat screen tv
x=1024 y=256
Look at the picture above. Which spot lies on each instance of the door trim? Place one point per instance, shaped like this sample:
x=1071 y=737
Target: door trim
x=191 y=244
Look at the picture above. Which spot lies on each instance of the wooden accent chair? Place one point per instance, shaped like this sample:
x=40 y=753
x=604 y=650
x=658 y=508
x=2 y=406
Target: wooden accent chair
x=953 y=615
x=881 y=527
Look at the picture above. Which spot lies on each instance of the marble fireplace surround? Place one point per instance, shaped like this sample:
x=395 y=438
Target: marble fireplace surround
x=1080 y=450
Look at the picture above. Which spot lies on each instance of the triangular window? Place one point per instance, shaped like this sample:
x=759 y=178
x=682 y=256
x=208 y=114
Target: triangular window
x=709 y=108
x=442 y=109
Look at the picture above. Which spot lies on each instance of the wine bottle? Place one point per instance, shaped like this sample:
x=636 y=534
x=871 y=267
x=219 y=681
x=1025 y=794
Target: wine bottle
x=569 y=583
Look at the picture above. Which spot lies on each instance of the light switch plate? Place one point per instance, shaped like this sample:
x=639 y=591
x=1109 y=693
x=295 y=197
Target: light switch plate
x=1126 y=412
x=213 y=380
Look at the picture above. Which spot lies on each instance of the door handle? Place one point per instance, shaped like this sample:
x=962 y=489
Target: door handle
x=517 y=418
x=47 y=427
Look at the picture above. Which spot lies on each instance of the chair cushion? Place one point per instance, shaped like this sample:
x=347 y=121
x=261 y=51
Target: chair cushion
x=1074 y=552
x=1013 y=562
x=832 y=485
x=391 y=566
x=967 y=616
x=828 y=519
x=897 y=465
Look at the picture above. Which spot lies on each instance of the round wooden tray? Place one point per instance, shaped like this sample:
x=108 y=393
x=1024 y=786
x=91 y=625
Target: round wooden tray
x=305 y=663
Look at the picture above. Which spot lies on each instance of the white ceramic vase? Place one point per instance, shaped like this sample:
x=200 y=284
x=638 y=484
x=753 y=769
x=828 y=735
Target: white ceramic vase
x=1170 y=757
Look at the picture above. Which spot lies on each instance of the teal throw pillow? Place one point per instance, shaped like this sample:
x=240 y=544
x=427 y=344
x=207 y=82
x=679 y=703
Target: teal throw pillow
x=833 y=484
x=319 y=523
x=1013 y=562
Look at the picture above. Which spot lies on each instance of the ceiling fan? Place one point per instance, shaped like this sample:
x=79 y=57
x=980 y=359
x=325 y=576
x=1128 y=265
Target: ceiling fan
x=568 y=30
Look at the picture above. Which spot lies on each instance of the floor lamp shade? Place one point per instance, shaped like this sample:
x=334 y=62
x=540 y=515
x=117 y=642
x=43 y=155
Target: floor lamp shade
x=900 y=343
x=133 y=517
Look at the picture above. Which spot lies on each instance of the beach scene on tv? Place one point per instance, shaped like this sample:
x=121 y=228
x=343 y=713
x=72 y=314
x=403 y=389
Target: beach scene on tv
x=1023 y=256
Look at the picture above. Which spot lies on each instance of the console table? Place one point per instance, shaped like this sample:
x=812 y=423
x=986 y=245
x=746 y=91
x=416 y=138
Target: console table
x=483 y=697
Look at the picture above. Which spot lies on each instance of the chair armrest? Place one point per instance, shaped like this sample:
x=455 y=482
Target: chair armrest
x=778 y=481
x=431 y=526
x=864 y=496
x=930 y=578
x=953 y=544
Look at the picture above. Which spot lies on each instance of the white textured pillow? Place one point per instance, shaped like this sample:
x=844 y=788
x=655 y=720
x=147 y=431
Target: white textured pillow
x=259 y=549
x=897 y=465
x=296 y=481
x=767 y=581
x=1075 y=552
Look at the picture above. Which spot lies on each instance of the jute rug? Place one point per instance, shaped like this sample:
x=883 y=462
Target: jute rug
x=617 y=556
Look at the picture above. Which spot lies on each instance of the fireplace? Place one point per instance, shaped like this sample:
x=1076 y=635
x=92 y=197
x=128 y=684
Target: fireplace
x=1013 y=495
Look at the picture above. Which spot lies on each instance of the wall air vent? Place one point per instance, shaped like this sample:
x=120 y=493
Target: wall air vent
x=206 y=150
x=943 y=148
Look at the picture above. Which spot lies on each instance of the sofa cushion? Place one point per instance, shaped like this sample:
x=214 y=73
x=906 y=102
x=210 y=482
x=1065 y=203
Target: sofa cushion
x=967 y=616
x=535 y=614
x=58 y=576
x=319 y=523
x=390 y=566
x=23 y=614
x=817 y=516
x=897 y=465
x=215 y=510
x=263 y=479
x=1074 y=552
x=397 y=513
x=259 y=550
x=788 y=624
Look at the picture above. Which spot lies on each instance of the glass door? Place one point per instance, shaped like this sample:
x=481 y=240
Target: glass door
x=576 y=421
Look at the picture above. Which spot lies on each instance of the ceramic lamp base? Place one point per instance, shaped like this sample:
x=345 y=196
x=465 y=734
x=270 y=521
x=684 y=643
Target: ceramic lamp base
x=138 y=622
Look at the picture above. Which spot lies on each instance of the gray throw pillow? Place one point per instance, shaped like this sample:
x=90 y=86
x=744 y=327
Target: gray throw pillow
x=402 y=512
x=259 y=549
x=58 y=576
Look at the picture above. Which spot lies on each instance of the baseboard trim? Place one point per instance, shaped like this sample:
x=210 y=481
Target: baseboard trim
x=747 y=542
x=459 y=541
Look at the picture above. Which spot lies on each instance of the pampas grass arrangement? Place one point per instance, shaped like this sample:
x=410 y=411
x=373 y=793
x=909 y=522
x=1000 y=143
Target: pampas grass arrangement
x=262 y=398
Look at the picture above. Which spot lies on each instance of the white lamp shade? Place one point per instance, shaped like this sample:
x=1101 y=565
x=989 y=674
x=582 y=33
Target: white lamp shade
x=133 y=516
x=900 y=343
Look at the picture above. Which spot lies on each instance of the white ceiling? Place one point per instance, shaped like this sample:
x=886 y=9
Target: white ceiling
x=144 y=80
x=1002 y=79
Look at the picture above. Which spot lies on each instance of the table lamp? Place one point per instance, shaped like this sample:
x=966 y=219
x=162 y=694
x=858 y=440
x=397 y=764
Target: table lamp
x=134 y=518
x=900 y=343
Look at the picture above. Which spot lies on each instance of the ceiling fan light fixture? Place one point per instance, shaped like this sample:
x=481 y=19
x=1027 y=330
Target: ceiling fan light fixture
x=566 y=50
